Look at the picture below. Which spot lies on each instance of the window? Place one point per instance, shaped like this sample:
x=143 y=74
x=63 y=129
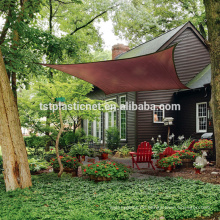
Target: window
x=89 y=127
x=158 y=114
x=122 y=119
x=201 y=117
x=111 y=117
x=97 y=128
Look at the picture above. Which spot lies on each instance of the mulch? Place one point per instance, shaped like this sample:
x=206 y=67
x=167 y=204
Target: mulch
x=188 y=173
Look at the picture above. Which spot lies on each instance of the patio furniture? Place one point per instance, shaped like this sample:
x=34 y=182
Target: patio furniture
x=143 y=155
x=167 y=152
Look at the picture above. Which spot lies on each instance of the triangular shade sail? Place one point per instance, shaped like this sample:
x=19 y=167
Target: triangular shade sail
x=151 y=72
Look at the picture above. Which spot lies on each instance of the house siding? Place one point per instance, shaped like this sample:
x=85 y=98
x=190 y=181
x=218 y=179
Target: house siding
x=190 y=56
x=187 y=116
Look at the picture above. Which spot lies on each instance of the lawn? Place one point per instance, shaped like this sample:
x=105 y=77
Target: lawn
x=74 y=198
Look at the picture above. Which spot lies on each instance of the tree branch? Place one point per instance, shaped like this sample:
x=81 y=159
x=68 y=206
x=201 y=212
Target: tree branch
x=65 y=3
x=5 y=28
x=97 y=16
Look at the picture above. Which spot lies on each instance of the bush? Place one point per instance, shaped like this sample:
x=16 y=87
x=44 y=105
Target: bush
x=79 y=149
x=203 y=144
x=186 y=154
x=123 y=151
x=158 y=148
x=37 y=165
x=67 y=161
x=170 y=161
x=112 y=138
x=108 y=169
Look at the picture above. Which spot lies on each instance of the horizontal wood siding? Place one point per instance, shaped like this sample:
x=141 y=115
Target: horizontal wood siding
x=190 y=56
x=186 y=118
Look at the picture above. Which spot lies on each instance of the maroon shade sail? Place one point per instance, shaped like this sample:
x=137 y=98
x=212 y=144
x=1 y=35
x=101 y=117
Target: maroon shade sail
x=150 y=72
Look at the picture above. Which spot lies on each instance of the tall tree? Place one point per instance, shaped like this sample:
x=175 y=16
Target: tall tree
x=141 y=20
x=15 y=162
x=213 y=22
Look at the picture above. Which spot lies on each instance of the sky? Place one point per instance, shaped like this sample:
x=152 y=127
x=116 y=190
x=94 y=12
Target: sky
x=106 y=29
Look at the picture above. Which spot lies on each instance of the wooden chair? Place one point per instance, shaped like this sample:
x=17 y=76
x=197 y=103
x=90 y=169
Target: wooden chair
x=167 y=152
x=143 y=155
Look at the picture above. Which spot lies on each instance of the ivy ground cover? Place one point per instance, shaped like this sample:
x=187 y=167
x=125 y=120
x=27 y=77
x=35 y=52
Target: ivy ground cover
x=74 y=198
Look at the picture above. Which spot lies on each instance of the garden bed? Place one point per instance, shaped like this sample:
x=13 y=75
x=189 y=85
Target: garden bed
x=188 y=173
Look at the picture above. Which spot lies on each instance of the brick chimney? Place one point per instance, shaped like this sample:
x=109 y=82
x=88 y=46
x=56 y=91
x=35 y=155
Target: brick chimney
x=118 y=49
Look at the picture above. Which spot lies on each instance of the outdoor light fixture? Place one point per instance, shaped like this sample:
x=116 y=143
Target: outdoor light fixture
x=168 y=121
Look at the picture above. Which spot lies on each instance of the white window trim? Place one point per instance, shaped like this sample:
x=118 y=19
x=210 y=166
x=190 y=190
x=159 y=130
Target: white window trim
x=158 y=122
x=112 y=115
x=122 y=139
x=197 y=118
x=95 y=122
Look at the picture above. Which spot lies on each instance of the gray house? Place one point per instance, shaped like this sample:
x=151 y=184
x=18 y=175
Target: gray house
x=191 y=58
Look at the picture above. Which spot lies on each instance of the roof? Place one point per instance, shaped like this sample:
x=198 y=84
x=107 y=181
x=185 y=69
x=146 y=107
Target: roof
x=201 y=79
x=151 y=46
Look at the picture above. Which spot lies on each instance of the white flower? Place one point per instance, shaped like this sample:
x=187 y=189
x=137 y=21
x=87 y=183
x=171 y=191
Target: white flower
x=152 y=138
x=159 y=136
x=172 y=135
x=181 y=137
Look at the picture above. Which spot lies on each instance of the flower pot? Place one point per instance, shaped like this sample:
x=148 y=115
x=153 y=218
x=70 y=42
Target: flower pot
x=99 y=178
x=187 y=163
x=197 y=170
x=169 y=168
x=104 y=156
x=83 y=157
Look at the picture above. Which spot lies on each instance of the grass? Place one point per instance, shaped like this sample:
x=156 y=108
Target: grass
x=74 y=198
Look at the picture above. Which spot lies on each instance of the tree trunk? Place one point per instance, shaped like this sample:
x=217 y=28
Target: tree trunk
x=57 y=144
x=15 y=161
x=213 y=22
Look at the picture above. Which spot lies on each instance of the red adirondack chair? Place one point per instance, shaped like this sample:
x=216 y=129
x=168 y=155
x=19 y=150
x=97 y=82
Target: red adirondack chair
x=143 y=155
x=167 y=152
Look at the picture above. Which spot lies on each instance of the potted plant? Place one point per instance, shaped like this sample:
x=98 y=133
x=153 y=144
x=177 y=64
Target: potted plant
x=70 y=164
x=112 y=138
x=106 y=170
x=105 y=152
x=78 y=150
x=187 y=158
x=170 y=162
x=197 y=167
x=203 y=144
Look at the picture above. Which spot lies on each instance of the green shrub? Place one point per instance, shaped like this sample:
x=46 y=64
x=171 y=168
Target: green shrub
x=123 y=151
x=112 y=138
x=67 y=161
x=108 y=169
x=79 y=149
x=158 y=148
x=37 y=164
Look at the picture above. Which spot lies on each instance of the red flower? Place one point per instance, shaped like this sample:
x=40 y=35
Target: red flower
x=96 y=171
x=51 y=149
x=109 y=174
x=113 y=163
x=117 y=168
x=85 y=170
x=109 y=163
x=52 y=163
x=97 y=165
x=124 y=171
x=53 y=159
x=74 y=160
